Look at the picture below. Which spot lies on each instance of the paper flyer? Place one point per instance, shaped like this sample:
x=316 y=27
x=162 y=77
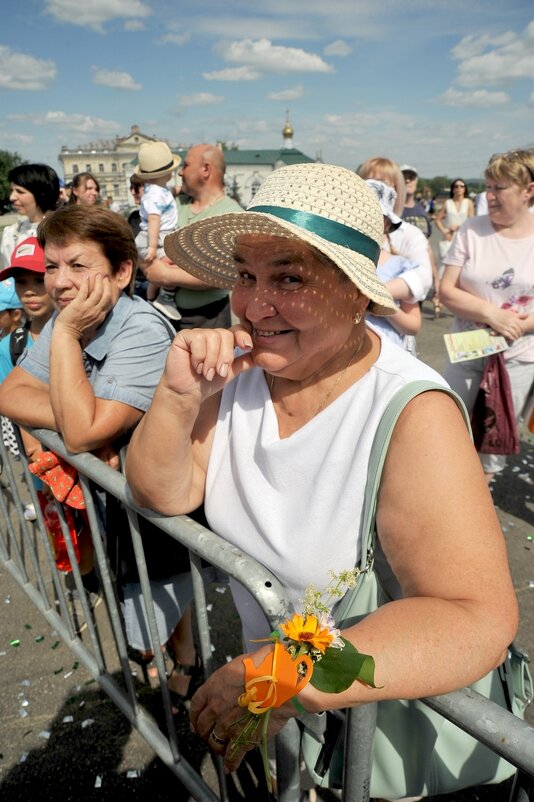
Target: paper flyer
x=464 y=345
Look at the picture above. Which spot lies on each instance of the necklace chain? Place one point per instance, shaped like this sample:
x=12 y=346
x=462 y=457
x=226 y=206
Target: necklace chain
x=338 y=380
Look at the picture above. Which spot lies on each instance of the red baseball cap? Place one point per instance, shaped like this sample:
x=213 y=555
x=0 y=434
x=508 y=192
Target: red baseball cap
x=28 y=255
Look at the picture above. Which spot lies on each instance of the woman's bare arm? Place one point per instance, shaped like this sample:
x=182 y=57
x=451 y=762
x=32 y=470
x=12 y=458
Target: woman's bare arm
x=169 y=451
x=470 y=307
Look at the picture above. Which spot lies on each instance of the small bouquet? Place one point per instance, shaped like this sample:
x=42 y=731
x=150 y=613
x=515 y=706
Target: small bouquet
x=306 y=648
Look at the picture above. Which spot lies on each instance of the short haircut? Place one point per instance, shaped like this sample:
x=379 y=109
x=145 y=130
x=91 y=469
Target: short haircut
x=39 y=179
x=516 y=166
x=91 y=224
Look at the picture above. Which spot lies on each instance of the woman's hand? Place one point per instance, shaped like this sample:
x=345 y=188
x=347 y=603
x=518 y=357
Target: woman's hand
x=505 y=322
x=89 y=309
x=201 y=361
x=214 y=709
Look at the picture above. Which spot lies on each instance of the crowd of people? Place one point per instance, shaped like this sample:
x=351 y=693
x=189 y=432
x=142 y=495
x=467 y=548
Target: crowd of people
x=264 y=429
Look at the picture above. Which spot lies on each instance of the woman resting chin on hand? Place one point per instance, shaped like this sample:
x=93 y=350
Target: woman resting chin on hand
x=276 y=443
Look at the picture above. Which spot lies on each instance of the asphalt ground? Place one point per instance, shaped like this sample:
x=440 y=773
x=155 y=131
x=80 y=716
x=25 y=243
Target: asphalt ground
x=61 y=738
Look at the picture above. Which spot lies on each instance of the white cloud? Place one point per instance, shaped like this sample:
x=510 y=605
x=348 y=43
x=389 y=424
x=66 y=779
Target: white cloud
x=15 y=138
x=474 y=45
x=176 y=38
x=95 y=13
x=498 y=60
x=19 y=71
x=71 y=122
x=337 y=48
x=261 y=54
x=294 y=93
x=478 y=98
x=115 y=80
x=200 y=99
x=232 y=74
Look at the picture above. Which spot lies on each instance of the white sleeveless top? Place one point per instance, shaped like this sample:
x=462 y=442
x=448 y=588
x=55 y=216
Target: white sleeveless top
x=294 y=504
x=453 y=216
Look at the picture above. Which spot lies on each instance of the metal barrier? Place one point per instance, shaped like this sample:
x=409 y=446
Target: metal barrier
x=26 y=552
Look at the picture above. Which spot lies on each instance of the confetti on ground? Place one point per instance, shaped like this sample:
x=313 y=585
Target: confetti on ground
x=28 y=626
x=45 y=734
x=67 y=675
x=220 y=590
x=39 y=639
x=23 y=713
x=7 y=600
x=68 y=719
x=529 y=538
x=24 y=757
x=15 y=643
x=55 y=644
x=3 y=654
x=209 y=607
x=229 y=658
x=133 y=774
x=89 y=681
x=87 y=722
x=25 y=683
x=58 y=670
x=75 y=665
x=531 y=583
x=24 y=703
x=98 y=781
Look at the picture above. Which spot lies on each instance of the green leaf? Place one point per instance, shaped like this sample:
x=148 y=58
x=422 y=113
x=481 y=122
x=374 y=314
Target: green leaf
x=338 y=668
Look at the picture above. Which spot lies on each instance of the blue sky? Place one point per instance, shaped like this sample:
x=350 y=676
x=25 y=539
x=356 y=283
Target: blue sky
x=439 y=85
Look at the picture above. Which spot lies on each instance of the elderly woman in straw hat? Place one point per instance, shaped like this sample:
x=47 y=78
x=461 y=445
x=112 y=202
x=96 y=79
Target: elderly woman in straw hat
x=271 y=425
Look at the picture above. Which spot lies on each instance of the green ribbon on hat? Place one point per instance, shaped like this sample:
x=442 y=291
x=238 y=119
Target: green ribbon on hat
x=330 y=230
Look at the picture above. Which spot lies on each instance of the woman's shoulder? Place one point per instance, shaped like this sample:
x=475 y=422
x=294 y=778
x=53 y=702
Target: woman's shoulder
x=396 y=367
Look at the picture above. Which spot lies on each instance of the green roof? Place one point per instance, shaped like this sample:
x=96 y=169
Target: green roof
x=260 y=156
x=233 y=157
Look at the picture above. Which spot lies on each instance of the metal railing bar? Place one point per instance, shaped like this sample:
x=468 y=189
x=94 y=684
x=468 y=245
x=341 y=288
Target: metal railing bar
x=490 y=724
x=141 y=720
x=110 y=596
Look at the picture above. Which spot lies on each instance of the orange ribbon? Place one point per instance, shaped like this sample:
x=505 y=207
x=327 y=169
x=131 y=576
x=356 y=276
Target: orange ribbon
x=60 y=476
x=275 y=680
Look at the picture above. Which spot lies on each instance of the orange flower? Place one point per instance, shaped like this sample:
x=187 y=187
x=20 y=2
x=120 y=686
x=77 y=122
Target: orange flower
x=306 y=629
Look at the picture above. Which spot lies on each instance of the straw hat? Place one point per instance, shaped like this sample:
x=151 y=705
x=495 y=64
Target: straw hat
x=328 y=207
x=155 y=159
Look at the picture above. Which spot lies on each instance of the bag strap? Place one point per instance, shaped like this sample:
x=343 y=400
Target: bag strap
x=379 y=452
x=17 y=343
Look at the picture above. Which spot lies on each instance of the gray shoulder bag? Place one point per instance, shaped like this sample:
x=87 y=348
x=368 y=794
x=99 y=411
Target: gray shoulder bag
x=415 y=751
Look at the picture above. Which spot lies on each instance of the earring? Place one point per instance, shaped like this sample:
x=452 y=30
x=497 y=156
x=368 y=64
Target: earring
x=357 y=317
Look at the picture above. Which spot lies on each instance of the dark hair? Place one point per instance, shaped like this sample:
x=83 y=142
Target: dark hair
x=91 y=224
x=451 y=191
x=78 y=180
x=39 y=179
x=136 y=181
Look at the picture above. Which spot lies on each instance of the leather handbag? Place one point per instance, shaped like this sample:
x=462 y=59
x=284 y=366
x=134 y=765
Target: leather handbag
x=415 y=750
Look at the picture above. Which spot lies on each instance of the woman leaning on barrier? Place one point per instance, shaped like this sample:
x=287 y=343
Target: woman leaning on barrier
x=91 y=376
x=275 y=439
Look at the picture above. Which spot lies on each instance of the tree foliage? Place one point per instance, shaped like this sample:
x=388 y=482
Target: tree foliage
x=8 y=160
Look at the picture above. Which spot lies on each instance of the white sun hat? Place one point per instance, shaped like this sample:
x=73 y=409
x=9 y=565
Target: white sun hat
x=386 y=197
x=328 y=207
